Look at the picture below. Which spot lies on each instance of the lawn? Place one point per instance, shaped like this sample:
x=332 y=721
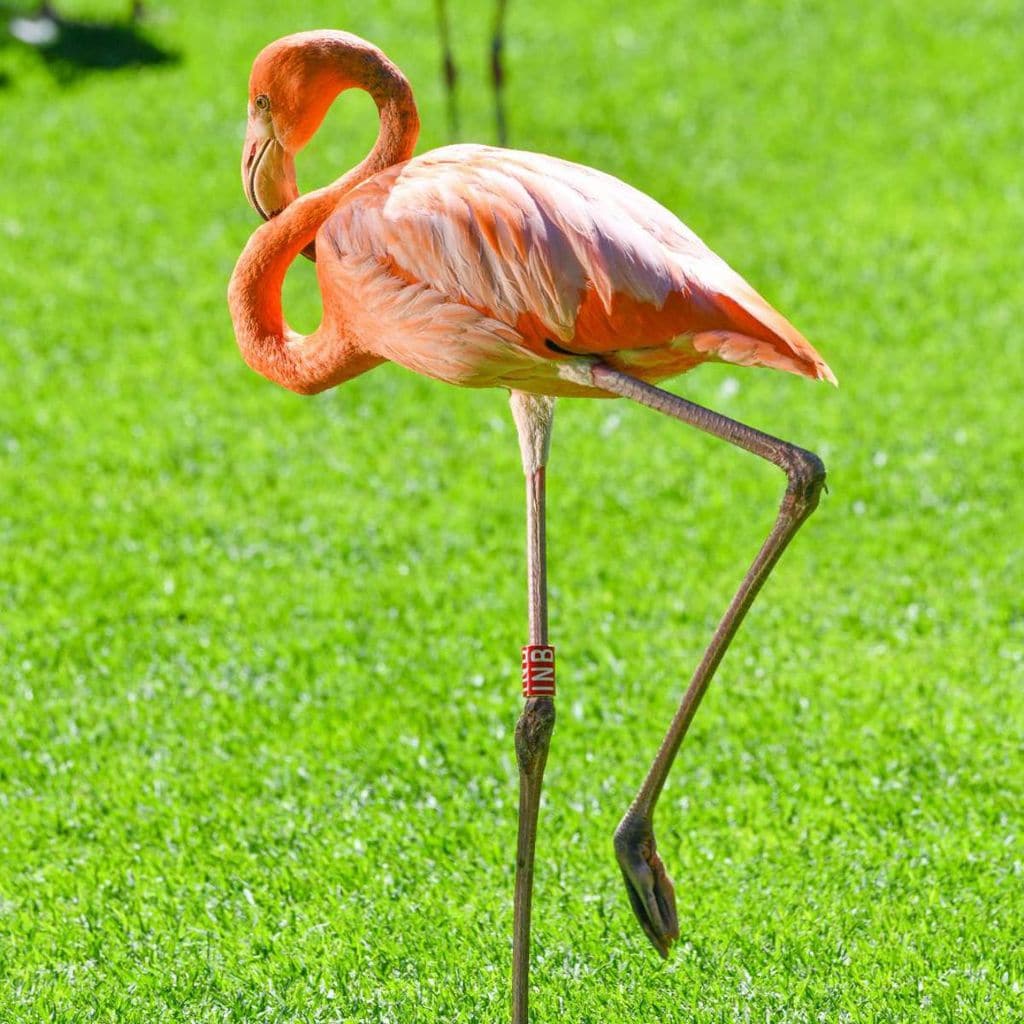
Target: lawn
x=259 y=653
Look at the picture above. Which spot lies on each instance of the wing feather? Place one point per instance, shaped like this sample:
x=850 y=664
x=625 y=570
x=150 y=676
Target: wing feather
x=564 y=251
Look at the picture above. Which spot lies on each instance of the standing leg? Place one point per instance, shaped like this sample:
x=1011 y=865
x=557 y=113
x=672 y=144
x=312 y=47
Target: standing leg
x=533 y=416
x=449 y=72
x=498 y=70
x=650 y=890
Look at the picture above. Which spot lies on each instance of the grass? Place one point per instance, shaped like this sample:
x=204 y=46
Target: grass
x=259 y=653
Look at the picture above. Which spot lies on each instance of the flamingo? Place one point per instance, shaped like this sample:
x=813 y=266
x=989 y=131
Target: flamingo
x=488 y=267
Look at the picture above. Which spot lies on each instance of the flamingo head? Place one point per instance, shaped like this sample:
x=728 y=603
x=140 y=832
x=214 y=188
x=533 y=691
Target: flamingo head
x=293 y=82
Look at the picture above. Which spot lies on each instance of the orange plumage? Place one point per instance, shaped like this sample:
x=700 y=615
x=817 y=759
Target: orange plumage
x=474 y=265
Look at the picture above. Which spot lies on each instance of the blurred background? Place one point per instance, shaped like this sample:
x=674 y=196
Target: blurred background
x=260 y=653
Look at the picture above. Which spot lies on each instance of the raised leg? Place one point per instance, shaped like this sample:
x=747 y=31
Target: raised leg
x=650 y=890
x=449 y=72
x=498 y=70
x=533 y=416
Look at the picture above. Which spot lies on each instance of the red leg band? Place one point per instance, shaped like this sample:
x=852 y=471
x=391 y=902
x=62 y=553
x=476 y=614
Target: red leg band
x=538 y=670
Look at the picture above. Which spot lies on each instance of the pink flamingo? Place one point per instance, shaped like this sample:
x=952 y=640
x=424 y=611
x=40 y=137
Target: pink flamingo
x=487 y=267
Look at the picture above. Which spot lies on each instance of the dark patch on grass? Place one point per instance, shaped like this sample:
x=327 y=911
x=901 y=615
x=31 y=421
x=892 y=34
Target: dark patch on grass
x=80 y=47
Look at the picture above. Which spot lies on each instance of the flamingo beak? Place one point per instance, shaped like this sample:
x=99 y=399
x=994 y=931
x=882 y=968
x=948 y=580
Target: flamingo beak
x=268 y=171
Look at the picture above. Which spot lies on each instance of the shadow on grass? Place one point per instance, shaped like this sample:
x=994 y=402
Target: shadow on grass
x=71 y=48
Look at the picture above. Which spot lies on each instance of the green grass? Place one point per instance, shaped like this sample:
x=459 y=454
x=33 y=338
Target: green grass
x=259 y=653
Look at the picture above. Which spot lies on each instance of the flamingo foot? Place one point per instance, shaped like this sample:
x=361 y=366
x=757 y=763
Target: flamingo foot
x=650 y=890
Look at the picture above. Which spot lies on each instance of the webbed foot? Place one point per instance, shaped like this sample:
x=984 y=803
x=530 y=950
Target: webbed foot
x=650 y=890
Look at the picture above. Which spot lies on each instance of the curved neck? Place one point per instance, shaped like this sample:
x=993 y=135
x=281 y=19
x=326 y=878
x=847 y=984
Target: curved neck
x=315 y=362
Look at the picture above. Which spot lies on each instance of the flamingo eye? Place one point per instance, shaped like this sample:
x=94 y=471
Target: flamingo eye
x=263 y=102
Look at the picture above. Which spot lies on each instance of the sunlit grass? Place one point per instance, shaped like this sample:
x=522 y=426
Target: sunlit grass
x=259 y=653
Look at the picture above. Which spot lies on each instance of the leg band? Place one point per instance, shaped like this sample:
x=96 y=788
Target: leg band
x=538 y=670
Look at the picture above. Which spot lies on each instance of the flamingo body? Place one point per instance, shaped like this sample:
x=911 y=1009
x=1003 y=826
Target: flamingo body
x=482 y=266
